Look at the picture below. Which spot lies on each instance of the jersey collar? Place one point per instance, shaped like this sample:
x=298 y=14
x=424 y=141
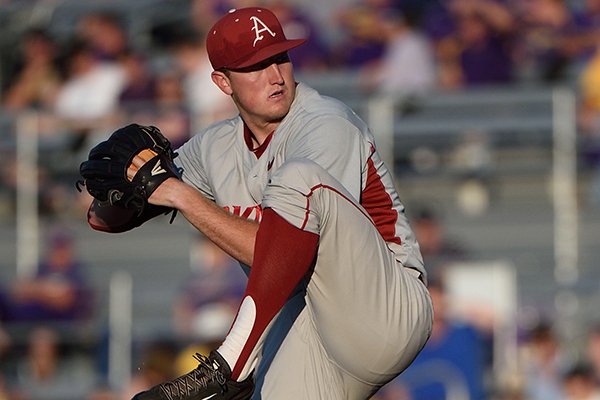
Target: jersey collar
x=248 y=136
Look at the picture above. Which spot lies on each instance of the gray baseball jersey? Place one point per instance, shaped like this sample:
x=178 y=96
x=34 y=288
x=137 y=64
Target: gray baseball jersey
x=219 y=164
x=365 y=313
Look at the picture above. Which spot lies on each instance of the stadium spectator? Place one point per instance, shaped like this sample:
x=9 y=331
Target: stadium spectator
x=32 y=85
x=169 y=88
x=5 y=347
x=140 y=87
x=105 y=34
x=170 y=110
x=589 y=123
x=37 y=79
x=473 y=41
x=585 y=33
x=45 y=373
x=407 y=66
x=4 y=392
x=592 y=349
x=154 y=96
x=543 y=364
x=437 y=248
x=86 y=100
x=203 y=99
x=579 y=384
x=361 y=42
x=204 y=13
x=5 y=339
x=57 y=292
x=543 y=49
x=453 y=363
x=91 y=89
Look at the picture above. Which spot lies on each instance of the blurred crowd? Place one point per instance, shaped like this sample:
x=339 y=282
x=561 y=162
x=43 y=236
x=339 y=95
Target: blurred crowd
x=98 y=76
x=396 y=45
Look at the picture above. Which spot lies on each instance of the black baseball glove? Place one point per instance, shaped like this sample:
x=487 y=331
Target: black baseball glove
x=105 y=173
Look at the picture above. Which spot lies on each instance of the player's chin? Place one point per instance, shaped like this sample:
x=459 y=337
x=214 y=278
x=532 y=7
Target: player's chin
x=279 y=108
x=276 y=111
x=276 y=116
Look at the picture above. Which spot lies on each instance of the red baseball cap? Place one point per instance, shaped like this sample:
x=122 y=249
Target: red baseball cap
x=246 y=36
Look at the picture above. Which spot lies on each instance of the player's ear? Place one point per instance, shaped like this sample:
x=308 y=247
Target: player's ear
x=222 y=81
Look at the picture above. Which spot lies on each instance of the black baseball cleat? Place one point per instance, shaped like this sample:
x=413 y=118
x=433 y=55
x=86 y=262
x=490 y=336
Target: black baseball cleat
x=211 y=380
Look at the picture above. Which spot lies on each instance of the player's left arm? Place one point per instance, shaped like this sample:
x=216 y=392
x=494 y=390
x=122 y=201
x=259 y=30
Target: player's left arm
x=233 y=234
x=133 y=178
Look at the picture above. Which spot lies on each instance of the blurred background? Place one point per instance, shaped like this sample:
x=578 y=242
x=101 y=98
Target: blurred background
x=487 y=111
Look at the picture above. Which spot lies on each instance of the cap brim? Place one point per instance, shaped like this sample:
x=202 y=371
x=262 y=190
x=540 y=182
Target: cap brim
x=266 y=52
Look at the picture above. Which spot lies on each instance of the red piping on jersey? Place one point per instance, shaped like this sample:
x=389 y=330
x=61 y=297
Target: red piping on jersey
x=378 y=204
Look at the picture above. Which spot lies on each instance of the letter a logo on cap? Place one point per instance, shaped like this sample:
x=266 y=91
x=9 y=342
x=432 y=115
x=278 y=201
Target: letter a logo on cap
x=244 y=37
x=258 y=31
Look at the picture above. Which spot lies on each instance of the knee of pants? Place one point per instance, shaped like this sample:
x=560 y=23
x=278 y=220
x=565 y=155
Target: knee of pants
x=299 y=175
x=294 y=193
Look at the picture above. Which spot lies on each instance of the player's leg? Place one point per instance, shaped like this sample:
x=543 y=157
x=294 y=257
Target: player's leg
x=283 y=256
x=368 y=316
x=295 y=365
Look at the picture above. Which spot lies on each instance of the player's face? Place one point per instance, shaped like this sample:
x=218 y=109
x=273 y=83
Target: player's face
x=264 y=92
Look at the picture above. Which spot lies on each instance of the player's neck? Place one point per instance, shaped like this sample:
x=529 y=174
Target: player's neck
x=260 y=132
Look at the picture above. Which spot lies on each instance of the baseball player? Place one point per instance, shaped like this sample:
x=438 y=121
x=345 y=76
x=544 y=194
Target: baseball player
x=293 y=187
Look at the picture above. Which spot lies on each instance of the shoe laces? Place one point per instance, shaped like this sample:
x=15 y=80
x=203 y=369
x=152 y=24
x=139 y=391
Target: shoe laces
x=194 y=381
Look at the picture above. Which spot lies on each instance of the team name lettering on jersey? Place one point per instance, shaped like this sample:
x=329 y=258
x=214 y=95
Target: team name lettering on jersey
x=258 y=31
x=253 y=213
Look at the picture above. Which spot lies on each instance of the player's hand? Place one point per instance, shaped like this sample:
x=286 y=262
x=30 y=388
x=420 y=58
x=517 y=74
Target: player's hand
x=161 y=196
x=138 y=162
